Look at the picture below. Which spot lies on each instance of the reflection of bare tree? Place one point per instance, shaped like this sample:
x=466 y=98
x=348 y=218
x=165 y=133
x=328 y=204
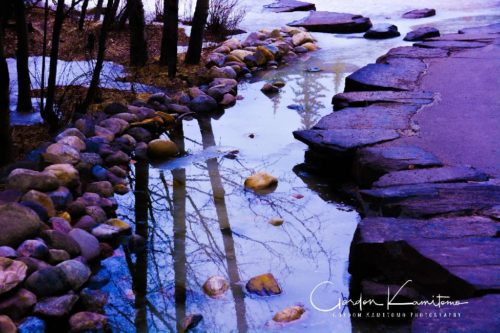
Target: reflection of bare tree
x=308 y=95
x=227 y=235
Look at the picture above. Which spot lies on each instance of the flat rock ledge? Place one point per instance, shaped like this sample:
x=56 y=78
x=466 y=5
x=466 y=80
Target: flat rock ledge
x=426 y=220
x=285 y=6
x=342 y=23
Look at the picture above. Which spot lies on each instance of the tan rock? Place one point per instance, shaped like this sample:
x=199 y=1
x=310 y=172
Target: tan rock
x=162 y=149
x=289 y=314
x=263 y=285
x=215 y=286
x=261 y=183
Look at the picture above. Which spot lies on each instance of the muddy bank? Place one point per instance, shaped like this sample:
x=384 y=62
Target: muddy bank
x=417 y=132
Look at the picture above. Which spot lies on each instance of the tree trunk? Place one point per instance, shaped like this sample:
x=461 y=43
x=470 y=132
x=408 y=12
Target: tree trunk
x=138 y=45
x=98 y=10
x=49 y=114
x=5 y=142
x=23 y=73
x=83 y=14
x=196 y=39
x=170 y=36
x=101 y=52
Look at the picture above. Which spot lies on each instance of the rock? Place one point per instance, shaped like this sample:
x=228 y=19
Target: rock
x=89 y=160
x=263 y=285
x=75 y=272
x=59 y=240
x=419 y=13
x=89 y=245
x=191 y=321
x=240 y=54
x=56 y=307
x=254 y=39
x=115 y=108
x=412 y=52
x=37 y=208
x=103 y=188
x=10 y=195
x=487 y=29
x=86 y=126
x=87 y=223
x=289 y=314
x=382 y=31
x=299 y=49
x=60 y=197
x=276 y=221
x=47 y=281
x=224 y=72
x=32 y=325
x=99 y=279
x=283 y=6
x=106 y=232
x=118 y=171
x=450 y=45
x=93 y=300
x=366 y=98
x=57 y=256
x=59 y=153
x=216 y=59
x=261 y=183
x=421 y=34
x=396 y=74
x=106 y=250
x=66 y=174
x=228 y=100
x=333 y=22
x=232 y=43
x=117 y=158
x=115 y=125
x=7 y=325
x=215 y=286
x=8 y=252
x=26 y=226
x=12 y=272
x=128 y=117
x=104 y=133
x=123 y=227
x=96 y=213
x=74 y=142
x=24 y=180
x=42 y=199
x=203 y=104
x=162 y=149
x=302 y=38
x=136 y=243
x=87 y=321
x=70 y=132
x=18 y=304
x=432 y=175
x=177 y=108
x=269 y=89
x=33 y=248
x=222 y=49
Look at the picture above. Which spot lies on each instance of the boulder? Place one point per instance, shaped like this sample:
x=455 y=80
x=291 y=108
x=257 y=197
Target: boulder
x=25 y=179
x=12 y=272
x=70 y=132
x=49 y=281
x=96 y=213
x=8 y=252
x=419 y=13
x=240 y=54
x=302 y=38
x=104 y=133
x=57 y=256
x=203 y=104
x=89 y=245
x=73 y=141
x=261 y=183
x=86 y=126
x=42 y=199
x=106 y=232
x=103 y=188
x=18 y=304
x=333 y=22
x=382 y=31
x=17 y=224
x=263 y=285
x=75 y=272
x=33 y=248
x=115 y=125
x=216 y=59
x=58 y=153
x=269 y=89
x=117 y=158
x=162 y=149
x=56 y=307
x=60 y=197
x=87 y=321
x=123 y=227
x=421 y=34
x=215 y=286
x=284 y=6
x=87 y=223
x=59 y=240
x=115 y=108
x=289 y=314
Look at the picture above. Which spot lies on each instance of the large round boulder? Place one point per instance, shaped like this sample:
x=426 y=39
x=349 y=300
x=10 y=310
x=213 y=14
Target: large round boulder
x=17 y=223
x=61 y=153
x=162 y=149
x=25 y=179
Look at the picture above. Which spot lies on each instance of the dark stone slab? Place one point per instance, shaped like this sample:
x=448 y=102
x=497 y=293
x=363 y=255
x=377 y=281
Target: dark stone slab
x=333 y=22
x=477 y=37
x=382 y=31
x=446 y=174
x=366 y=98
x=412 y=52
x=419 y=13
x=450 y=45
x=422 y=33
x=397 y=74
x=478 y=315
x=283 y=6
x=457 y=252
x=493 y=212
x=377 y=116
x=343 y=140
x=487 y=29
x=373 y=162
x=424 y=200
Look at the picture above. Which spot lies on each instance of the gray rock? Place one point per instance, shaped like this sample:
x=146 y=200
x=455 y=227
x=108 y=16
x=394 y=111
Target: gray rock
x=62 y=241
x=18 y=304
x=115 y=125
x=283 y=6
x=58 y=153
x=93 y=300
x=56 y=256
x=7 y=252
x=33 y=248
x=366 y=98
x=70 y=132
x=75 y=272
x=96 y=213
x=27 y=224
x=89 y=245
x=215 y=59
x=47 y=281
x=203 y=104
x=60 y=197
x=87 y=321
x=74 y=142
x=419 y=13
x=422 y=33
x=382 y=31
x=56 y=307
x=25 y=179
x=103 y=188
x=333 y=22
x=87 y=223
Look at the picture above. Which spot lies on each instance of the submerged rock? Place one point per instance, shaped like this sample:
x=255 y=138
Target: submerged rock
x=261 y=183
x=382 y=31
x=269 y=89
x=263 y=285
x=289 y=314
x=191 y=321
x=276 y=221
x=421 y=34
x=162 y=149
x=215 y=286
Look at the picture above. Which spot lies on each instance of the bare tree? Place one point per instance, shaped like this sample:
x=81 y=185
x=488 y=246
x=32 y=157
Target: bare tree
x=196 y=39
x=48 y=113
x=101 y=52
x=83 y=14
x=98 y=10
x=5 y=141
x=138 y=45
x=170 y=36
x=23 y=74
